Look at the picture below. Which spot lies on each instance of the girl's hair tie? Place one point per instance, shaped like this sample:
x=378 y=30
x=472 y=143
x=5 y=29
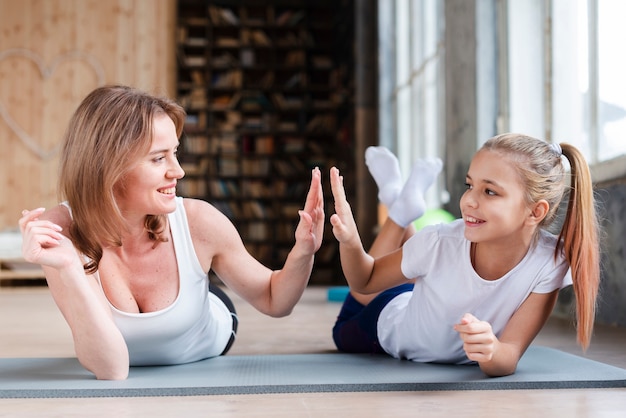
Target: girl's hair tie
x=556 y=148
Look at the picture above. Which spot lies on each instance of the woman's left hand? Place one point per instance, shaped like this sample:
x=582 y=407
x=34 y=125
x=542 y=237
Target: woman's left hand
x=310 y=229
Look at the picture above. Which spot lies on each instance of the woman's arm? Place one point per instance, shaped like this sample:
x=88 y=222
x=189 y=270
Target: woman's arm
x=274 y=293
x=99 y=345
x=499 y=357
x=364 y=273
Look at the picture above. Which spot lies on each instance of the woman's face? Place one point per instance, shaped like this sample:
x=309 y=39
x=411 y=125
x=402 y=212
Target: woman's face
x=149 y=188
x=493 y=206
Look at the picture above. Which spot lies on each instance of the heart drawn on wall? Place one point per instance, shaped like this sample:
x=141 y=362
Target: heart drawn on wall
x=45 y=71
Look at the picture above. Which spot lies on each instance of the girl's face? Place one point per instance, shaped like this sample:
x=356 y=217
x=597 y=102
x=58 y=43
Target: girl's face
x=149 y=188
x=493 y=206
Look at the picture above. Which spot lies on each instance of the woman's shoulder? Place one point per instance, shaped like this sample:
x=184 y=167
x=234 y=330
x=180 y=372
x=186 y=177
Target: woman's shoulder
x=196 y=207
x=202 y=215
x=210 y=230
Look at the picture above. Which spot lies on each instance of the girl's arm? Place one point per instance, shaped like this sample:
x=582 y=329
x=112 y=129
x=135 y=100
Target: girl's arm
x=99 y=345
x=274 y=293
x=499 y=356
x=364 y=274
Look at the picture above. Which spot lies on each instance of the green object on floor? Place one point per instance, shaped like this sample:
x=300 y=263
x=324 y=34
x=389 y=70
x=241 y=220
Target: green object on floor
x=433 y=217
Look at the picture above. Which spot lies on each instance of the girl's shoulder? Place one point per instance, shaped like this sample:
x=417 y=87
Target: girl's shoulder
x=452 y=229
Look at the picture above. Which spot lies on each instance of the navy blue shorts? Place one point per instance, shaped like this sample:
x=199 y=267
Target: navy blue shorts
x=356 y=329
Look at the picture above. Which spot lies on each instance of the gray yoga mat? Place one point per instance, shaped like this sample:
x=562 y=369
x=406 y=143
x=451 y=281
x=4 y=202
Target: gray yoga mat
x=540 y=368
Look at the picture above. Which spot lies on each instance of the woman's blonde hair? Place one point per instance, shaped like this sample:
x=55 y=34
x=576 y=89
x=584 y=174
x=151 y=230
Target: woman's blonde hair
x=108 y=132
x=543 y=173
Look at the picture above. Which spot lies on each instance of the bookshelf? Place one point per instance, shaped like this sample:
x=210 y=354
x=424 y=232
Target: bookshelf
x=268 y=89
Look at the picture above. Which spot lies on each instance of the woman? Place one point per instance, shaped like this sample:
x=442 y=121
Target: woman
x=127 y=261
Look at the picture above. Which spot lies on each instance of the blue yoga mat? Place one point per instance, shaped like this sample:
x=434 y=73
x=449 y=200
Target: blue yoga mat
x=540 y=368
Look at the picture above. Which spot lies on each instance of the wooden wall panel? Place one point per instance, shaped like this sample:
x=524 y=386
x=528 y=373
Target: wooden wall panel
x=52 y=53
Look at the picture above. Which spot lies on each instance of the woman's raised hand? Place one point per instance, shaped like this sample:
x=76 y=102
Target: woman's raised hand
x=310 y=229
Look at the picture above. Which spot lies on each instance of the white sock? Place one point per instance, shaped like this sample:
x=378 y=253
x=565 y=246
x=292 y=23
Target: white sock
x=410 y=204
x=385 y=169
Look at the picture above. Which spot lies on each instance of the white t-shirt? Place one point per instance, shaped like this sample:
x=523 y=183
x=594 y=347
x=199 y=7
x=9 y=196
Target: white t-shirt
x=418 y=325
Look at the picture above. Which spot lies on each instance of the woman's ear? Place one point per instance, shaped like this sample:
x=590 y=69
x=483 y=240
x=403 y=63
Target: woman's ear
x=539 y=211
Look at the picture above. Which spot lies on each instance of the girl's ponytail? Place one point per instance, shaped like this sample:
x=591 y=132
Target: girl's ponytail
x=580 y=243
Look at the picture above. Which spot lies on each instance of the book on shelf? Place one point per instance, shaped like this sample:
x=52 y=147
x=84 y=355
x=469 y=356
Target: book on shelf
x=254 y=101
x=289 y=167
x=230 y=122
x=324 y=123
x=285 y=102
x=227 y=41
x=287 y=126
x=222 y=16
x=227 y=79
x=223 y=188
x=254 y=209
x=197 y=78
x=290 y=39
x=228 y=208
x=322 y=61
x=255 y=167
x=194 y=100
x=196 y=42
x=255 y=37
x=256 y=231
x=196 y=144
x=226 y=143
x=259 y=251
x=295 y=58
x=225 y=101
x=293 y=144
x=190 y=59
x=195 y=121
x=264 y=144
x=254 y=123
x=224 y=60
x=290 y=17
x=228 y=167
x=192 y=187
x=256 y=188
x=296 y=80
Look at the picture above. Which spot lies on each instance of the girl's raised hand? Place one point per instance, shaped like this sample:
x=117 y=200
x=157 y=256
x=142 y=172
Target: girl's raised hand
x=344 y=227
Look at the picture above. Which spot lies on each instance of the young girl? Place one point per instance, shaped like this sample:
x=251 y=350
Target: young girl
x=127 y=261
x=478 y=289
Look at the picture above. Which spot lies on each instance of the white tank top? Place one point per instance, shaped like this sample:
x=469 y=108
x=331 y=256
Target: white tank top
x=196 y=326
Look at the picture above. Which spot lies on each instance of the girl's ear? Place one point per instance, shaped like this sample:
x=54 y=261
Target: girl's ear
x=538 y=212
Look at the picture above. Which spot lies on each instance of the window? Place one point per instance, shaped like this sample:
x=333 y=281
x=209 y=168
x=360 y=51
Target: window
x=411 y=77
x=582 y=86
x=563 y=77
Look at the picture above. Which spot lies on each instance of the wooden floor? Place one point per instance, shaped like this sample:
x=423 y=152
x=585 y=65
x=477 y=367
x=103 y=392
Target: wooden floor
x=31 y=326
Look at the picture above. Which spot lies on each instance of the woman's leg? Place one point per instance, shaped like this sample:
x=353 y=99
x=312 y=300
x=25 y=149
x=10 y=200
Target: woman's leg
x=233 y=313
